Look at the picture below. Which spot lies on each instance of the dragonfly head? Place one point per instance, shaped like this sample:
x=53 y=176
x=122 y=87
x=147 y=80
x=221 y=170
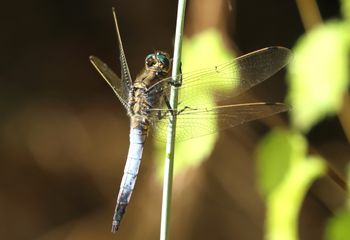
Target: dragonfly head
x=158 y=62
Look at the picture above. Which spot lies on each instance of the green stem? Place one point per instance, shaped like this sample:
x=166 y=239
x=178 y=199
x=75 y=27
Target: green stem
x=170 y=146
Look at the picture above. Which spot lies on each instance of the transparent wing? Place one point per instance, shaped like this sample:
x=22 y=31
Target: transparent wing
x=120 y=88
x=125 y=72
x=123 y=86
x=230 y=79
x=198 y=122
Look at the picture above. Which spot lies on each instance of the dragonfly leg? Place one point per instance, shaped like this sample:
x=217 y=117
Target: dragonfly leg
x=184 y=109
x=167 y=103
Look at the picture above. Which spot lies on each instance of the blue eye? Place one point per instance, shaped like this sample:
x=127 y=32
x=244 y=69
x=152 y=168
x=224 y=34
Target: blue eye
x=163 y=59
x=150 y=56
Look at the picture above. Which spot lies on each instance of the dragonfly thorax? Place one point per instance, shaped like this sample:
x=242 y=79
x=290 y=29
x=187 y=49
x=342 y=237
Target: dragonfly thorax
x=144 y=99
x=144 y=96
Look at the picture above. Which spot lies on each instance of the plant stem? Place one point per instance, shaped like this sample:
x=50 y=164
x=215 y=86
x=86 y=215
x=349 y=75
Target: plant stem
x=170 y=145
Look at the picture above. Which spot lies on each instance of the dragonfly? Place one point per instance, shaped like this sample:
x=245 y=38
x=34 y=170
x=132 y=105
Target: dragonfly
x=146 y=100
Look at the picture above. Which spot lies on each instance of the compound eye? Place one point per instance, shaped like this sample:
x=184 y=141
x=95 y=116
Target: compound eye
x=164 y=60
x=150 y=60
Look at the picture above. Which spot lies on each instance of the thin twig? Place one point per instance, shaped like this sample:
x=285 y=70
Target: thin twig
x=170 y=146
x=309 y=13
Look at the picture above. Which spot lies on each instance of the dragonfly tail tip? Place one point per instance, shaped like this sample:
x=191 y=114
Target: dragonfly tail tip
x=115 y=227
x=118 y=217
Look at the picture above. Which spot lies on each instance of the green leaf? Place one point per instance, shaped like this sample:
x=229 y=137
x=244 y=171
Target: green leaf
x=319 y=74
x=338 y=227
x=345 y=4
x=285 y=174
x=275 y=156
x=203 y=50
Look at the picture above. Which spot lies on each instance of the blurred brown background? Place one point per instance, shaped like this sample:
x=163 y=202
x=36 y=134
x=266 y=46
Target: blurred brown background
x=64 y=135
